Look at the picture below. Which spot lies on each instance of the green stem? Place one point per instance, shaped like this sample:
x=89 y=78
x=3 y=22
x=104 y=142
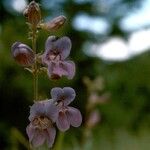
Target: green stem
x=59 y=142
x=35 y=68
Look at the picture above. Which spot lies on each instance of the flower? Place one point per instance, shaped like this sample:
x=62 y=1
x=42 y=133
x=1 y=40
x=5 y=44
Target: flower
x=54 y=24
x=42 y=116
x=22 y=53
x=33 y=13
x=67 y=115
x=56 y=51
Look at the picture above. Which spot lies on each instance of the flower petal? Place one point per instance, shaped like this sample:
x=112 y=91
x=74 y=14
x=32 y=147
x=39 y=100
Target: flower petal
x=38 y=108
x=74 y=116
x=55 y=71
x=52 y=111
x=50 y=70
x=49 y=48
x=56 y=93
x=68 y=68
x=62 y=122
x=50 y=43
x=30 y=131
x=65 y=95
x=69 y=95
x=39 y=138
x=51 y=133
x=64 y=46
x=22 y=53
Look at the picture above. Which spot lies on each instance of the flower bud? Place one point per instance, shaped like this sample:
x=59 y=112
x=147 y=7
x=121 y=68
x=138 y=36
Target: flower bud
x=54 y=24
x=33 y=13
x=22 y=53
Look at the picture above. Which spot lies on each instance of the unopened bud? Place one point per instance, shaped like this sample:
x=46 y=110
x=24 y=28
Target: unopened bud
x=33 y=13
x=22 y=53
x=54 y=24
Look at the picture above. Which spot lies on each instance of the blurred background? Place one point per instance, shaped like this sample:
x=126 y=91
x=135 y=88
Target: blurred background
x=111 y=49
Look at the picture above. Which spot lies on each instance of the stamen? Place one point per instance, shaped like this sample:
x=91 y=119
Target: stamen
x=41 y=122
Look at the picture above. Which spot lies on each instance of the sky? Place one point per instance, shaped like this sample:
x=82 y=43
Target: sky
x=114 y=48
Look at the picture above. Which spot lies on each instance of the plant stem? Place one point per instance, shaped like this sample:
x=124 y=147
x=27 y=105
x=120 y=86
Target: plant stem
x=59 y=141
x=35 y=68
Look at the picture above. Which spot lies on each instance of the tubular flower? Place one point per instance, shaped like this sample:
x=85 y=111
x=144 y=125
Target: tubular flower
x=56 y=52
x=22 y=53
x=67 y=115
x=42 y=116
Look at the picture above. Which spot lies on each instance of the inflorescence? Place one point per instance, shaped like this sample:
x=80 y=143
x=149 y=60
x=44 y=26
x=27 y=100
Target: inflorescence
x=46 y=115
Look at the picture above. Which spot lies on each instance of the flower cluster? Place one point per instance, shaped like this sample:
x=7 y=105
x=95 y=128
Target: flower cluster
x=45 y=115
x=54 y=57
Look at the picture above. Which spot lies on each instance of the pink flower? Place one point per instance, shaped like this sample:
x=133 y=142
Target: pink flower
x=56 y=52
x=42 y=116
x=67 y=115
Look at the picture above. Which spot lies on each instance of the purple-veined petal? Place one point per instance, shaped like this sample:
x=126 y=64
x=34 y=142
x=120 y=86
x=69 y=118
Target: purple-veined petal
x=62 y=122
x=30 y=132
x=56 y=93
x=38 y=108
x=64 y=46
x=52 y=111
x=69 y=95
x=22 y=53
x=49 y=54
x=39 y=138
x=55 y=71
x=50 y=69
x=69 y=68
x=74 y=116
x=50 y=43
x=51 y=133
